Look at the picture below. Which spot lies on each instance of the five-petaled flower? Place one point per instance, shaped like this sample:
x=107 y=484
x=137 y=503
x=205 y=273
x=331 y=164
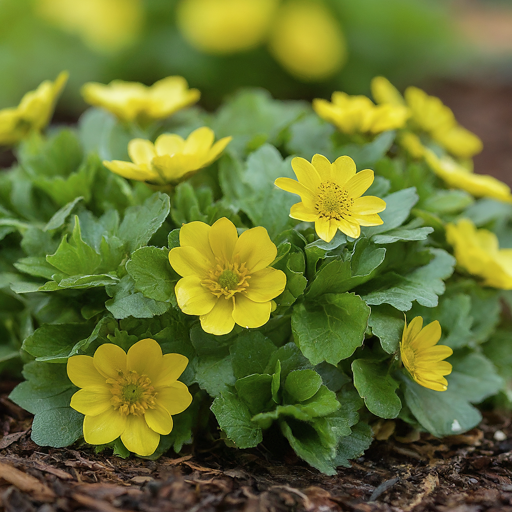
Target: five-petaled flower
x=170 y=159
x=477 y=251
x=331 y=196
x=129 y=395
x=422 y=357
x=33 y=113
x=358 y=114
x=226 y=278
x=133 y=101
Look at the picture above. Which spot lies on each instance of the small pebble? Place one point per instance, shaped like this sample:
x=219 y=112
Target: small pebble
x=472 y=480
x=499 y=435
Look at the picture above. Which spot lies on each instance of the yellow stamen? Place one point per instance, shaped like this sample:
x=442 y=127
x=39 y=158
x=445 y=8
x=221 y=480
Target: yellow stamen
x=132 y=393
x=332 y=201
x=227 y=278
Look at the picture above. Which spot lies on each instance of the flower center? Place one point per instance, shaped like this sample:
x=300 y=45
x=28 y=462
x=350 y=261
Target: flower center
x=332 y=201
x=132 y=393
x=227 y=278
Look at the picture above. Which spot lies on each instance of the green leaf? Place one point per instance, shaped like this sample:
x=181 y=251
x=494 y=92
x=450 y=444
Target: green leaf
x=55 y=342
x=61 y=216
x=307 y=445
x=442 y=413
x=255 y=391
x=407 y=233
x=365 y=155
x=57 y=427
x=398 y=208
x=141 y=222
x=152 y=273
x=302 y=385
x=448 y=201
x=214 y=374
x=354 y=445
x=423 y=285
x=309 y=136
x=75 y=257
x=332 y=330
x=251 y=353
x=474 y=378
x=377 y=388
x=186 y=205
x=387 y=324
x=322 y=403
x=36 y=266
x=126 y=302
x=235 y=420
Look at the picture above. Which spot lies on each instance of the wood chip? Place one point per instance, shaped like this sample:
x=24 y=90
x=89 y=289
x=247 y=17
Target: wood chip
x=11 y=438
x=26 y=483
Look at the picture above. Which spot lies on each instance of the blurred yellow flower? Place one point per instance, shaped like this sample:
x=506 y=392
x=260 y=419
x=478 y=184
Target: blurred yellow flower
x=106 y=26
x=430 y=115
x=331 y=196
x=358 y=114
x=477 y=251
x=170 y=159
x=129 y=395
x=131 y=101
x=307 y=40
x=33 y=113
x=456 y=176
x=225 y=26
x=422 y=357
x=226 y=278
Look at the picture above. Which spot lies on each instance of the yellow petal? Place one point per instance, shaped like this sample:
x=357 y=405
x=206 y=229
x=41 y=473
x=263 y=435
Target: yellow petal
x=196 y=234
x=217 y=149
x=193 y=298
x=350 y=229
x=265 y=285
x=325 y=229
x=175 y=398
x=255 y=249
x=220 y=319
x=141 y=151
x=439 y=384
x=344 y=170
x=323 y=167
x=82 y=372
x=428 y=336
x=300 y=212
x=188 y=261
x=173 y=365
x=433 y=354
x=368 y=205
x=384 y=92
x=104 y=428
x=138 y=437
x=367 y=220
x=199 y=141
x=295 y=188
x=145 y=357
x=223 y=237
x=412 y=330
x=131 y=171
x=360 y=183
x=169 y=144
x=92 y=400
x=306 y=173
x=109 y=359
x=159 y=420
x=249 y=314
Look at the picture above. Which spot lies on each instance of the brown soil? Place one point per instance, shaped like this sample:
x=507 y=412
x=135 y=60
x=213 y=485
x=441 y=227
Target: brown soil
x=465 y=473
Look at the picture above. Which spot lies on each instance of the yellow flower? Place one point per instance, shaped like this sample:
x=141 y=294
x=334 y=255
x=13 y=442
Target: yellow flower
x=358 y=114
x=331 y=196
x=226 y=278
x=33 y=113
x=131 y=101
x=477 y=251
x=431 y=116
x=171 y=159
x=307 y=41
x=422 y=357
x=225 y=26
x=456 y=176
x=106 y=26
x=129 y=395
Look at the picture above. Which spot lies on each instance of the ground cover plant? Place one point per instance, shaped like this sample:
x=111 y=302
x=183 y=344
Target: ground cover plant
x=274 y=269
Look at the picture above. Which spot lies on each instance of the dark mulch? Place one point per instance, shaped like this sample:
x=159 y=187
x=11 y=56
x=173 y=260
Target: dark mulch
x=465 y=473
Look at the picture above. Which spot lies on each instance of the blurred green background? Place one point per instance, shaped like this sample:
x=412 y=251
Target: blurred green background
x=221 y=45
